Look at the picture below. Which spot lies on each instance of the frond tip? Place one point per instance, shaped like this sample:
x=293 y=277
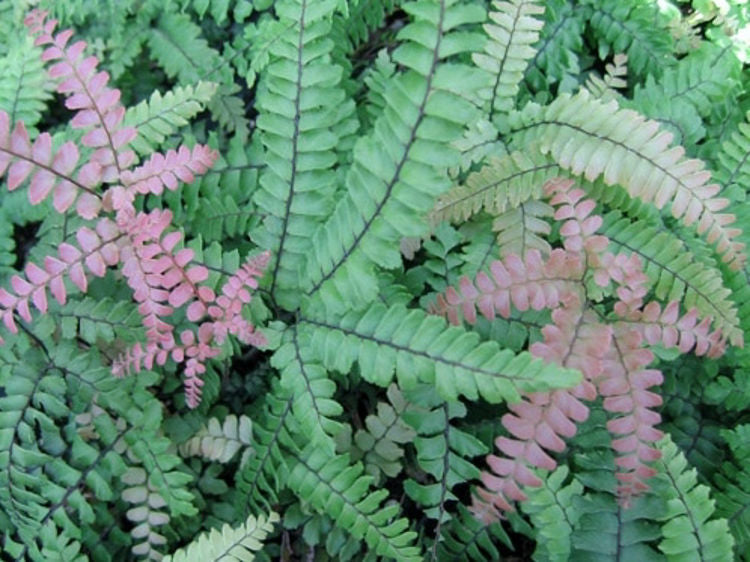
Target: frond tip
x=228 y=544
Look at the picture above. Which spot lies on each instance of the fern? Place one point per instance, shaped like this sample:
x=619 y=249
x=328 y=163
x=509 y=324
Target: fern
x=26 y=89
x=630 y=143
x=688 y=531
x=229 y=544
x=513 y=31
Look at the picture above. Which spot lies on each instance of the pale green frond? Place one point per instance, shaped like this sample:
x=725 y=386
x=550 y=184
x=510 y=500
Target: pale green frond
x=513 y=32
x=229 y=544
x=523 y=228
x=217 y=441
x=160 y=116
x=594 y=139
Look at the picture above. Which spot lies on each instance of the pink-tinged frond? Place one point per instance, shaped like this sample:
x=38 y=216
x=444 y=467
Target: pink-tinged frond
x=98 y=108
x=624 y=385
x=48 y=171
x=542 y=420
x=97 y=251
x=665 y=327
x=166 y=170
x=531 y=283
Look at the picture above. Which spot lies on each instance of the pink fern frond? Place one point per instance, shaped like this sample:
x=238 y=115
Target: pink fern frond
x=540 y=422
x=624 y=385
x=98 y=108
x=167 y=170
x=100 y=250
x=526 y=283
x=50 y=171
x=666 y=327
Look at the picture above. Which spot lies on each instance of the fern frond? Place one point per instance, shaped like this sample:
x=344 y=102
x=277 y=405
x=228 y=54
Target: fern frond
x=380 y=442
x=25 y=87
x=331 y=485
x=467 y=538
x=606 y=530
x=421 y=348
x=513 y=31
x=556 y=58
x=595 y=139
x=399 y=169
x=99 y=320
x=217 y=441
x=146 y=513
x=159 y=117
x=615 y=77
x=732 y=489
x=689 y=530
x=518 y=230
x=502 y=184
x=733 y=160
x=632 y=27
x=228 y=544
x=674 y=272
x=299 y=103
x=443 y=452
x=265 y=472
x=312 y=392
x=553 y=513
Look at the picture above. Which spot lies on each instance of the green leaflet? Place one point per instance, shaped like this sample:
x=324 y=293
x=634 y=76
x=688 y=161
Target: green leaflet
x=417 y=347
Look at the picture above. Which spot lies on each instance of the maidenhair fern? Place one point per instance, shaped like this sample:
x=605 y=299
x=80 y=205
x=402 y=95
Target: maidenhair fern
x=358 y=279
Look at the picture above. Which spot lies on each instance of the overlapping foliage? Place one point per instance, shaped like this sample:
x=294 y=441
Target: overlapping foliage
x=278 y=277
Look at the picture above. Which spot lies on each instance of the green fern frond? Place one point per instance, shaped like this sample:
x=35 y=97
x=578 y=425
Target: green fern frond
x=422 y=348
x=522 y=229
x=690 y=532
x=733 y=160
x=159 y=117
x=260 y=479
x=615 y=77
x=399 y=169
x=299 y=103
x=594 y=139
x=380 y=442
x=674 y=272
x=556 y=58
x=605 y=529
x=732 y=489
x=25 y=88
x=503 y=183
x=513 y=31
x=228 y=544
x=312 y=392
x=103 y=320
x=553 y=514
x=465 y=538
x=632 y=27
x=332 y=485
x=444 y=452
x=217 y=441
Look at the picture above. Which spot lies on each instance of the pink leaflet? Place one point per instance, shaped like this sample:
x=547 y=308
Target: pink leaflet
x=18 y=172
x=41 y=184
x=64 y=196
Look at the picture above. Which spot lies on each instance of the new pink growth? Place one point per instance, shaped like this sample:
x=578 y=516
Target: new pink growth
x=160 y=275
x=610 y=354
